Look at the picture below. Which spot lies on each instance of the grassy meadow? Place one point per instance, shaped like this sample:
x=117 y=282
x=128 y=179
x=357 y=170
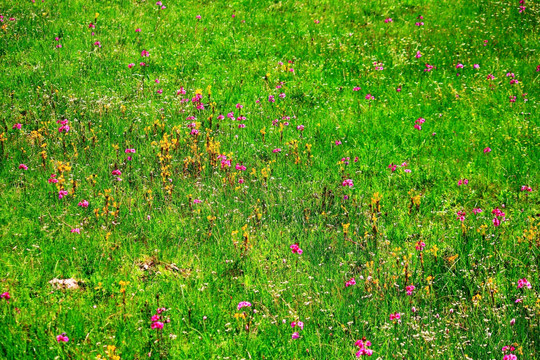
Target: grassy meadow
x=253 y=179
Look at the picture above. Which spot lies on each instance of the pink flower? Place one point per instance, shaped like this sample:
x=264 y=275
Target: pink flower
x=296 y=249
x=392 y=167
x=17 y=126
x=363 y=346
x=487 y=150
x=389 y=20
x=370 y=97
x=337 y=142
x=351 y=282
x=476 y=66
x=157 y=325
x=155 y=318
x=316 y=21
x=490 y=77
x=420 y=245
x=76 y=230
x=137 y=30
x=240 y=167
x=409 y=289
x=395 y=316
x=97 y=43
x=496 y=222
x=459 y=66
x=419 y=24
x=526 y=188
x=145 y=53
x=241 y=181
x=295 y=335
x=128 y=151
x=271 y=98
x=398 y=89
x=524 y=283
x=131 y=65
x=357 y=88
x=116 y=172
x=62 y=338
x=242 y=304
x=62 y=193
x=5 y=296
x=23 y=167
x=429 y=68
x=300 y=127
x=347 y=182
x=197 y=201
x=83 y=203
x=477 y=211
x=276 y=150
x=418 y=55
x=198 y=17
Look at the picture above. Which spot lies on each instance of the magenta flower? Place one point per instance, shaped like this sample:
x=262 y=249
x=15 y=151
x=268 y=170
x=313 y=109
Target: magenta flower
x=524 y=283
x=62 y=338
x=357 y=88
x=392 y=167
x=157 y=325
x=295 y=335
x=83 y=203
x=429 y=68
x=370 y=97
x=347 y=182
x=5 y=296
x=17 y=126
x=395 y=316
x=418 y=55
x=76 y=230
x=300 y=127
x=145 y=53
x=137 y=30
x=242 y=304
x=276 y=150
x=487 y=150
x=477 y=211
x=363 y=346
x=296 y=249
x=62 y=193
x=116 y=172
x=420 y=245
x=459 y=66
x=496 y=222
x=409 y=289
x=388 y=20
x=351 y=282
x=198 y=17
x=23 y=167
x=526 y=188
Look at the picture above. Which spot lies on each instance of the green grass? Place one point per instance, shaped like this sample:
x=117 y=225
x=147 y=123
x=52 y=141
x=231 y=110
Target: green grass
x=199 y=260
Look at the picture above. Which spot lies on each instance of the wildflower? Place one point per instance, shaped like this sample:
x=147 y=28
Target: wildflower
x=145 y=53
x=395 y=316
x=351 y=282
x=271 y=98
x=490 y=77
x=337 y=142
x=370 y=97
x=357 y=88
x=23 y=167
x=419 y=24
x=276 y=150
x=300 y=128
x=496 y=222
x=363 y=346
x=418 y=55
x=476 y=66
x=487 y=150
x=512 y=99
x=296 y=249
x=52 y=179
x=463 y=182
x=295 y=335
x=389 y=20
x=459 y=66
x=17 y=126
x=409 y=289
x=347 y=182
x=5 y=296
x=76 y=230
x=477 y=211
x=137 y=30
x=461 y=215
x=429 y=68
x=282 y=95
x=526 y=188
x=62 y=193
x=242 y=304
x=198 y=17
x=420 y=245
x=128 y=151
x=524 y=283
x=97 y=43
x=83 y=203
x=240 y=167
x=197 y=201
x=131 y=65
x=116 y=172
x=486 y=42
x=392 y=167
x=157 y=325
x=62 y=338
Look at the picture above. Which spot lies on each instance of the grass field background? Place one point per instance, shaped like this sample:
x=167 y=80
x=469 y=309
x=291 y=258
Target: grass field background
x=368 y=133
